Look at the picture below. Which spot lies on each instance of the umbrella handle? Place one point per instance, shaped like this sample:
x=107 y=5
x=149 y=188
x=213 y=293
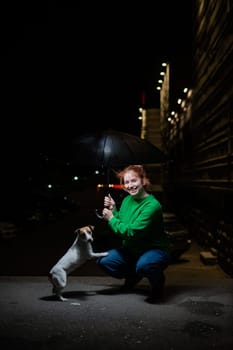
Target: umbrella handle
x=98 y=215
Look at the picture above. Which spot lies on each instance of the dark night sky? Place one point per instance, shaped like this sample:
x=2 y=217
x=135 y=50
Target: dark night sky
x=68 y=65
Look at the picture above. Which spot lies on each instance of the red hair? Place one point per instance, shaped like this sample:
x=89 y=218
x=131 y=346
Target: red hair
x=138 y=170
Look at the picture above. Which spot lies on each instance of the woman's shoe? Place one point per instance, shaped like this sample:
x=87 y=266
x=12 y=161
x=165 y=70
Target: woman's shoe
x=130 y=283
x=156 y=295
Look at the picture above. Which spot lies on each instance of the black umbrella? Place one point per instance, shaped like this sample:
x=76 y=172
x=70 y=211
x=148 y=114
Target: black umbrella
x=111 y=149
x=114 y=149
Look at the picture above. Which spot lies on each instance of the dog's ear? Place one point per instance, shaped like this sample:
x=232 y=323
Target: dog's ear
x=91 y=227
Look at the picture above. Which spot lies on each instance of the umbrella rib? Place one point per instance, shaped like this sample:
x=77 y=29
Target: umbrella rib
x=103 y=152
x=130 y=151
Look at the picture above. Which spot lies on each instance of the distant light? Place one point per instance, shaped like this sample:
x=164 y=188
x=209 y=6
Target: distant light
x=185 y=90
x=158 y=88
x=162 y=73
x=75 y=178
x=116 y=186
x=179 y=101
x=183 y=104
x=189 y=93
x=164 y=64
x=97 y=172
x=160 y=81
x=50 y=186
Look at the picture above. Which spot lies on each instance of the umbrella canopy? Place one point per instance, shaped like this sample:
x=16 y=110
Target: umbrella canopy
x=109 y=149
x=114 y=149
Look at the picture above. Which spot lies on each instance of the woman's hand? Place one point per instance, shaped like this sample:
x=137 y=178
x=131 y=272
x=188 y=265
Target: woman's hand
x=109 y=202
x=107 y=214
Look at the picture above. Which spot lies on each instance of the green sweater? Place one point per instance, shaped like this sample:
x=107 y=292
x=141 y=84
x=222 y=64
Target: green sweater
x=140 y=224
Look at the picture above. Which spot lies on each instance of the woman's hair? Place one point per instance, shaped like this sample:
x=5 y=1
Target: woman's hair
x=138 y=169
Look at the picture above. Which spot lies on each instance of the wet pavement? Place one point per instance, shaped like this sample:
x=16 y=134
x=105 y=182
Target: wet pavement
x=196 y=312
x=193 y=316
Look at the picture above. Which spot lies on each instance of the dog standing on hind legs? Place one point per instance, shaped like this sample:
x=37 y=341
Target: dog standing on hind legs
x=80 y=251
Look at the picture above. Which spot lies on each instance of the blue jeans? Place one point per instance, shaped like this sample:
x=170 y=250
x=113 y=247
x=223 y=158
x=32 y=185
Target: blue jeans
x=119 y=263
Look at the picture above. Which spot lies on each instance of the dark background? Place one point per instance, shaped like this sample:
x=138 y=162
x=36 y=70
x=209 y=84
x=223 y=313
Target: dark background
x=71 y=67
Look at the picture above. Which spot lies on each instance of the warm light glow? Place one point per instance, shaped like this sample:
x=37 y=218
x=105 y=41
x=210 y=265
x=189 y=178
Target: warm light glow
x=115 y=186
x=189 y=93
x=183 y=104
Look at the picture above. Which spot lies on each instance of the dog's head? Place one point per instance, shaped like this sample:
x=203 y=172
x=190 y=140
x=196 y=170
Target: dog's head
x=86 y=233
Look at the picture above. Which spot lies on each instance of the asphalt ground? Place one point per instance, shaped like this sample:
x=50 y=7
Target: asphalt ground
x=196 y=312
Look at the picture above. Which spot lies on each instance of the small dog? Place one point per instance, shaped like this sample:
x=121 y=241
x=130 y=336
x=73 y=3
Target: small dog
x=80 y=251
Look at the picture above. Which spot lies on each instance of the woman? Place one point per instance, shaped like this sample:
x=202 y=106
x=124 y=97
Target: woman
x=139 y=222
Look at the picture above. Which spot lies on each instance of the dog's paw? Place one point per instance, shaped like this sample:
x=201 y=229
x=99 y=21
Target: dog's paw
x=60 y=298
x=104 y=254
x=99 y=255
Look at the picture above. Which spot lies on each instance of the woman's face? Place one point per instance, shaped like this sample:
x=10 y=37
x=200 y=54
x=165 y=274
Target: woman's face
x=133 y=183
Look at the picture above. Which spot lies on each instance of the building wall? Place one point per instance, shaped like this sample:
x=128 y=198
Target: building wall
x=151 y=131
x=200 y=144
x=151 y=126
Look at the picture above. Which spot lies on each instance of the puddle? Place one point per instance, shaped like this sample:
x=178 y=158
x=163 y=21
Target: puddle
x=200 y=329
x=203 y=307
